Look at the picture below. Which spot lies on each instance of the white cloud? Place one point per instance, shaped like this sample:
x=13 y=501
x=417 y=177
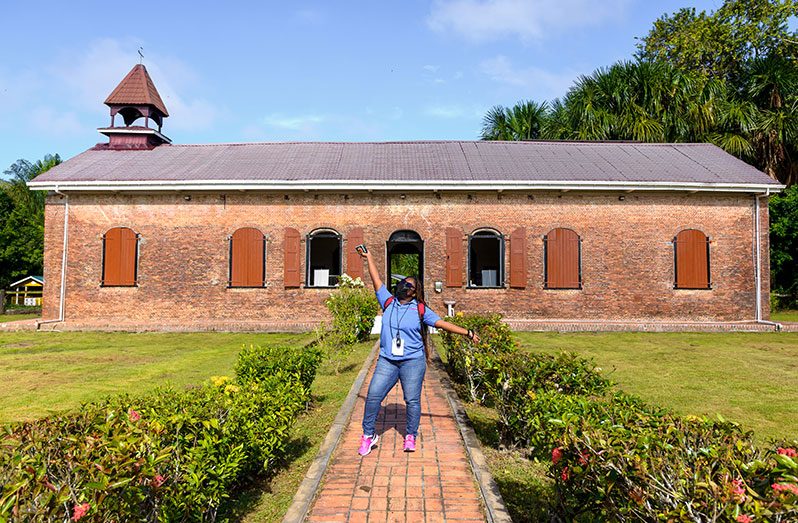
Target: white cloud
x=46 y=121
x=431 y=68
x=92 y=77
x=543 y=84
x=452 y=111
x=294 y=123
x=481 y=20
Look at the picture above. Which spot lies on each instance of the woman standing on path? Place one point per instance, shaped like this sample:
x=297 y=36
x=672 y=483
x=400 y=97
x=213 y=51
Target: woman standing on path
x=403 y=353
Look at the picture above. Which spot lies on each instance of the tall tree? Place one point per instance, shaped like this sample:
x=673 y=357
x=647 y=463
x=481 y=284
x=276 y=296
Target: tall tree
x=22 y=220
x=524 y=121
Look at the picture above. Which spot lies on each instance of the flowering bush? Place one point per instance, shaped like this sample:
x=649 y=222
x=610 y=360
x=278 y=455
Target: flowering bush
x=169 y=456
x=353 y=309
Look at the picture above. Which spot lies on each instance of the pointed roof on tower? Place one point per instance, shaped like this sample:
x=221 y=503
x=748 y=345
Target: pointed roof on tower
x=137 y=88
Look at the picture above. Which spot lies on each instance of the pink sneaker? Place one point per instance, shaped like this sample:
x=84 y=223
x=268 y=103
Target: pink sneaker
x=367 y=443
x=410 y=443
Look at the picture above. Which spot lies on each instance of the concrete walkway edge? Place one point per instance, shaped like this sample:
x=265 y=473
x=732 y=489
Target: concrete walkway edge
x=309 y=487
x=496 y=510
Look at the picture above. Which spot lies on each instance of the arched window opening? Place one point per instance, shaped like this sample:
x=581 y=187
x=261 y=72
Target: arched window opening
x=691 y=260
x=120 y=258
x=486 y=259
x=247 y=258
x=562 y=259
x=323 y=258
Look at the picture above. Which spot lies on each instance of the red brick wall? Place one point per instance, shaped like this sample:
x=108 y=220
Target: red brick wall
x=627 y=255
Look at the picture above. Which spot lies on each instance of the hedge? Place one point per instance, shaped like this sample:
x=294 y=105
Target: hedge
x=173 y=455
x=612 y=456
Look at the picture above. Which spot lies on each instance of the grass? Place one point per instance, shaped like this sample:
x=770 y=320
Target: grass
x=784 y=315
x=750 y=378
x=270 y=499
x=16 y=317
x=54 y=371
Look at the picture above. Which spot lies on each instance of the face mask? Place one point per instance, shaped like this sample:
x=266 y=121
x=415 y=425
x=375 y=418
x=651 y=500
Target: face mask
x=403 y=289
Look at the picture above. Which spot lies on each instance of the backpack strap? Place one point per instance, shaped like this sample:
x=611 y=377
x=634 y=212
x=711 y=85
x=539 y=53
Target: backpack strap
x=387 y=302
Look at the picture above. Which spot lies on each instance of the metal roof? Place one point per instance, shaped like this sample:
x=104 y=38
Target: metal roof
x=137 y=88
x=444 y=165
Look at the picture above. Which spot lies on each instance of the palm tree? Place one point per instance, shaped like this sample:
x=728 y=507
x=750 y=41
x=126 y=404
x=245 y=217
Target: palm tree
x=524 y=121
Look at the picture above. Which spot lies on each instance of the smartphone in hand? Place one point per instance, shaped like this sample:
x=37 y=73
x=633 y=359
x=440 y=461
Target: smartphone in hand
x=361 y=249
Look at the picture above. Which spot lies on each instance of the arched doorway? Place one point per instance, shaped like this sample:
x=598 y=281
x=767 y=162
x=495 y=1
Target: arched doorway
x=405 y=257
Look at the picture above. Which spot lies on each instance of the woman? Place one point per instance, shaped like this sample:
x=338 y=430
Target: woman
x=402 y=353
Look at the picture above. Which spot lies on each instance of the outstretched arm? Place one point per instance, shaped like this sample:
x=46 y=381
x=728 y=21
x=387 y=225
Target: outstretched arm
x=373 y=272
x=456 y=329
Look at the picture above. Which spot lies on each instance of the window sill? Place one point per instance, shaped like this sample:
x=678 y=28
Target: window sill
x=264 y=286
x=320 y=286
x=103 y=286
x=710 y=288
x=469 y=287
x=563 y=288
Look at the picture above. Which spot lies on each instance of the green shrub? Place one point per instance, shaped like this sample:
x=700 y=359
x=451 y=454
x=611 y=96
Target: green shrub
x=670 y=468
x=169 y=456
x=256 y=363
x=473 y=366
x=353 y=309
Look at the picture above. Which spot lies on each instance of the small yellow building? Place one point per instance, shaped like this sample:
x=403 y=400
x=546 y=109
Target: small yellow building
x=27 y=291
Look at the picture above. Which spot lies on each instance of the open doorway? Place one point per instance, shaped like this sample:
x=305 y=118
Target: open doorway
x=405 y=257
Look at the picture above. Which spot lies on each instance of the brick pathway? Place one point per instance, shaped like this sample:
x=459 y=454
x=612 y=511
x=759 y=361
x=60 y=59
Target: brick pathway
x=433 y=484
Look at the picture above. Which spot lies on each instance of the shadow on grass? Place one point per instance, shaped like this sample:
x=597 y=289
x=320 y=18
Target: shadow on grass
x=245 y=501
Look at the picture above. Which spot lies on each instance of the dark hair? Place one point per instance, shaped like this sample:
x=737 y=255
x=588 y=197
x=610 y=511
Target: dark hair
x=424 y=328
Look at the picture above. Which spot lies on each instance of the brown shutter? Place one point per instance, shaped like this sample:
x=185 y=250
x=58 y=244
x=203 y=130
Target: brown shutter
x=247 y=247
x=692 y=260
x=518 y=258
x=562 y=260
x=454 y=257
x=354 y=263
x=291 y=263
x=119 y=257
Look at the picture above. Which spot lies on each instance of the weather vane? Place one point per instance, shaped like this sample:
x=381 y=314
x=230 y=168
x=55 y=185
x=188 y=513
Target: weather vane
x=141 y=55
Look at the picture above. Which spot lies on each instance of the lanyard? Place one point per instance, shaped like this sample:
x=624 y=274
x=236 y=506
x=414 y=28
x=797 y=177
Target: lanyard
x=393 y=314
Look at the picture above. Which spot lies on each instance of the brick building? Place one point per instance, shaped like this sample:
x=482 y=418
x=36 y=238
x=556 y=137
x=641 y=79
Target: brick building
x=141 y=233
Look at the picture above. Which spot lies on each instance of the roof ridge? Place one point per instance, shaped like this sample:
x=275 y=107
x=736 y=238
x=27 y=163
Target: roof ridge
x=486 y=142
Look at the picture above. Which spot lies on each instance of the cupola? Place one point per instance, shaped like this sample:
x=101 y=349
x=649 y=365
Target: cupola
x=133 y=99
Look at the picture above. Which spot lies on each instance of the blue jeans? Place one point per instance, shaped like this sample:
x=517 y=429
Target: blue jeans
x=411 y=374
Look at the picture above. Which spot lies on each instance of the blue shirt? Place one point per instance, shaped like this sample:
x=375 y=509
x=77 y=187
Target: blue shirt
x=403 y=318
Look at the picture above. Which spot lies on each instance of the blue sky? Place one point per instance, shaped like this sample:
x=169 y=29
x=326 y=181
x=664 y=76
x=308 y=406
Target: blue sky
x=281 y=71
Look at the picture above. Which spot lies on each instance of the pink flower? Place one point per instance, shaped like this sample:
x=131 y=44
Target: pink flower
x=79 y=511
x=790 y=453
x=738 y=490
x=785 y=487
x=133 y=415
x=566 y=474
x=158 y=480
x=744 y=518
x=556 y=455
x=583 y=457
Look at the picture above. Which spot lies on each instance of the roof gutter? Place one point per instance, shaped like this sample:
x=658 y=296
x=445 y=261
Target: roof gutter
x=397 y=185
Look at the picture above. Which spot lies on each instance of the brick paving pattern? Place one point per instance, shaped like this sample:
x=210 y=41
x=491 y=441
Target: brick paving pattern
x=433 y=484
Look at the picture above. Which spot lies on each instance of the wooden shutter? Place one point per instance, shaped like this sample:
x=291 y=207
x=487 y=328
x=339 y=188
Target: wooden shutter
x=692 y=260
x=291 y=253
x=120 y=253
x=562 y=260
x=454 y=257
x=518 y=256
x=247 y=251
x=354 y=263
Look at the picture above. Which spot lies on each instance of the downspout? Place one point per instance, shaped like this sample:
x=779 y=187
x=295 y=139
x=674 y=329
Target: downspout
x=62 y=302
x=758 y=268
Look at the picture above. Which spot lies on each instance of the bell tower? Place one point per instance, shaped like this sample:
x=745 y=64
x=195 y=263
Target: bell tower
x=134 y=98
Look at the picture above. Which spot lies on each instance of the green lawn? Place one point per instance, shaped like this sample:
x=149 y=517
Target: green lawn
x=51 y=371
x=785 y=315
x=16 y=317
x=750 y=378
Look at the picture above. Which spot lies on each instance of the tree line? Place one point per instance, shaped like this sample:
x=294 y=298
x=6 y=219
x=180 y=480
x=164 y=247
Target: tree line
x=727 y=77
x=22 y=220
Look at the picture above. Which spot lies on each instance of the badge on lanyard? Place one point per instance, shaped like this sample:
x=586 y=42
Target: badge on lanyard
x=398 y=346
